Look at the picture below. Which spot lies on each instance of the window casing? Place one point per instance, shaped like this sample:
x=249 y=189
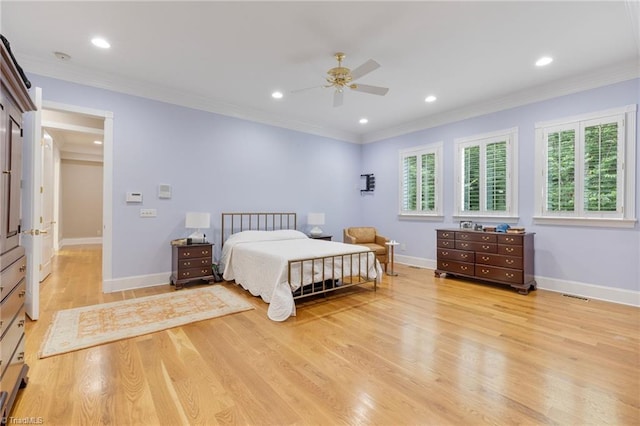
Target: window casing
x=485 y=175
x=585 y=169
x=421 y=181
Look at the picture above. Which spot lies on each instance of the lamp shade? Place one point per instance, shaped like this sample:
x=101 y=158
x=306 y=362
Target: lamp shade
x=315 y=219
x=196 y=220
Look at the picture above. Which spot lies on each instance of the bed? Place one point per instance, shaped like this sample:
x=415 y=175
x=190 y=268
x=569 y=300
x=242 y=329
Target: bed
x=266 y=255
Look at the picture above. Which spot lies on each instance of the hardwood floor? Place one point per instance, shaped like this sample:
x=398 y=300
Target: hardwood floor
x=420 y=350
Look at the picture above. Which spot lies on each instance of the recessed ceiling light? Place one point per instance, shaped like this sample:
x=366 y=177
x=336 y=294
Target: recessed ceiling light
x=545 y=60
x=364 y=120
x=277 y=95
x=100 y=42
x=430 y=98
x=98 y=142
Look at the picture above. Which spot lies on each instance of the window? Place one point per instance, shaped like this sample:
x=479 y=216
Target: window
x=485 y=180
x=420 y=181
x=582 y=170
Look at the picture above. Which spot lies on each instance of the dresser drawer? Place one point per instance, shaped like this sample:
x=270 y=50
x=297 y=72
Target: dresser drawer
x=499 y=260
x=476 y=236
x=445 y=235
x=12 y=275
x=499 y=274
x=446 y=243
x=477 y=246
x=12 y=367
x=510 y=239
x=510 y=250
x=455 y=267
x=10 y=307
x=463 y=256
x=11 y=337
x=188 y=252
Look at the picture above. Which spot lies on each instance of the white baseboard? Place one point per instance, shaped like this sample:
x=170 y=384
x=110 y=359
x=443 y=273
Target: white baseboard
x=139 y=281
x=589 y=291
x=80 y=241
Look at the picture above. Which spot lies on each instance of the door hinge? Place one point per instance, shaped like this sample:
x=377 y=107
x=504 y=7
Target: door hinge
x=42 y=189
x=40 y=219
x=21 y=133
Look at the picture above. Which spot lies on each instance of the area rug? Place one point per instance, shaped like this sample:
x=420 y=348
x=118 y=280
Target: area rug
x=80 y=328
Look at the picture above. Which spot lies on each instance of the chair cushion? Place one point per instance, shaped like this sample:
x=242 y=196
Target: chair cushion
x=363 y=235
x=376 y=248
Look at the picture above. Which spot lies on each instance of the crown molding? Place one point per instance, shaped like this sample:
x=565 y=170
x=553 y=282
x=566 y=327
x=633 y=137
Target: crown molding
x=601 y=77
x=107 y=81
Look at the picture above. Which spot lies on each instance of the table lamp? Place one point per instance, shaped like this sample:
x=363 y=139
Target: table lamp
x=197 y=221
x=315 y=219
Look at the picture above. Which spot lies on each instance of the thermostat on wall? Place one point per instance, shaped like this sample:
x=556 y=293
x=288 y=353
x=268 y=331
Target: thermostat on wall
x=134 y=197
x=164 y=191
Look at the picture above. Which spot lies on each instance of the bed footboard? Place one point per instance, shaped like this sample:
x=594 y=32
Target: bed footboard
x=318 y=275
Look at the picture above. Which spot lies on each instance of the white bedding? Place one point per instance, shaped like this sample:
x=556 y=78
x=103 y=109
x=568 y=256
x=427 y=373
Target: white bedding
x=258 y=261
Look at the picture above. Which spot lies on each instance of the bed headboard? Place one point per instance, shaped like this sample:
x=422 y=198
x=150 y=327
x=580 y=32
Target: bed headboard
x=238 y=222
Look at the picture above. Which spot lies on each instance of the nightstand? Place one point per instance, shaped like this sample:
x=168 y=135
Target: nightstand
x=191 y=263
x=321 y=237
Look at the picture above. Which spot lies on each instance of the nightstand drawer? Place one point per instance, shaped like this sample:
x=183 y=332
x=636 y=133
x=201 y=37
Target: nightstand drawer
x=186 y=274
x=190 y=252
x=194 y=263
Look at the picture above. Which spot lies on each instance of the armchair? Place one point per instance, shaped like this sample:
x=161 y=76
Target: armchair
x=368 y=236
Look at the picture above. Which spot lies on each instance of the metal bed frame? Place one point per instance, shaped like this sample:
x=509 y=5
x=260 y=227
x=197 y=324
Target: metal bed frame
x=238 y=222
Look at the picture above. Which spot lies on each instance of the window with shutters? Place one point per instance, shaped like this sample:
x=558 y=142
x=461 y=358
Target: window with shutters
x=420 y=181
x=582 y=170
x=485 y=178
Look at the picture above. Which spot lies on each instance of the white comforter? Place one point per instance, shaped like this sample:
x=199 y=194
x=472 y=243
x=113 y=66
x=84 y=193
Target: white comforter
x=258 y=261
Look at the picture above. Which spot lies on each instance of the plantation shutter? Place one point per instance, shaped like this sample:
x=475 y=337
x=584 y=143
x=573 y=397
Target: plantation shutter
x=601 y=167
x=496 y=176
x=409 y=183
x=471 y=176
x=428 y=181
x=561 y=169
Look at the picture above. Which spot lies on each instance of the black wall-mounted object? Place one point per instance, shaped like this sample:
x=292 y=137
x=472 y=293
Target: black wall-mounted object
x=370 y=182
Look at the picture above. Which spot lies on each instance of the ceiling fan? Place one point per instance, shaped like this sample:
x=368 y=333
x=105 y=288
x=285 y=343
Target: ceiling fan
x=342 y=77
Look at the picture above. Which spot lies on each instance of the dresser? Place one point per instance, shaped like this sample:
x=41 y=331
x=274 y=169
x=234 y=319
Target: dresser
x=496 y=257
x=14 y=101
x=191 y=263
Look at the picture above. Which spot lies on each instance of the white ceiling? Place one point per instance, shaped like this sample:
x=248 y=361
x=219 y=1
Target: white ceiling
x=228 y=57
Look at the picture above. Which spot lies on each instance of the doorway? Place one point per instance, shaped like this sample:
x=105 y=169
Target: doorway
x=65 y=123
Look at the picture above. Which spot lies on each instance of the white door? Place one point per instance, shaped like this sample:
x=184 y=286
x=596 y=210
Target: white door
x=46 y=196
x=31 y=238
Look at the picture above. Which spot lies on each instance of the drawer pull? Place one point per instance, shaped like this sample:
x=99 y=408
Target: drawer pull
x=446 y=234
x=22 y=293
x=23 y=268
x=485 y=238
x=20 y=356
x=485 y=271
x=509 y=249
x=485 y=258
x=464 y=236
x=509 y=275
x=187 y=263
x=187 y=274
x=21 y=323
x=509 y=239
x=464 y=256
x=187 y=253
x=509 y=261
x=445 y=253
x=445 y=243
x=464 y=268
x=445 y=264
x=485 y=247
x=465 y=245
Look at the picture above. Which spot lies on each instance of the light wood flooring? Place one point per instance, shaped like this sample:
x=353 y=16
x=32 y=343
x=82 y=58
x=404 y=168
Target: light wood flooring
x=419 y=351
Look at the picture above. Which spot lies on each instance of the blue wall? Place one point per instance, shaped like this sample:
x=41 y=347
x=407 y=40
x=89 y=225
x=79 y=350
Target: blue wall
x=214 y=164
x=217 y=163
x=607 y=257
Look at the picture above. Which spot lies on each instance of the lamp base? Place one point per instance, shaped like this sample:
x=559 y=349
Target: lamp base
x=197 y=238
x=315 y=231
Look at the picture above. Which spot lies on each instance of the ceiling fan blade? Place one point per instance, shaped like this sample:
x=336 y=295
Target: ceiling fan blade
x=338 y=98
x=363 y=69
x=374 y=90
x=305 y=89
